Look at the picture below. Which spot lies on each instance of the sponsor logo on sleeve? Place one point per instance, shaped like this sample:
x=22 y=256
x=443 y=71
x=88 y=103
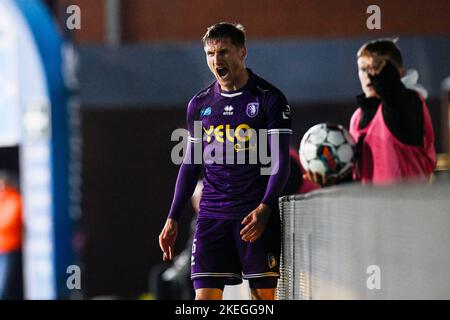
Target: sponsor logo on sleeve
x=272 y=261
x=204 y=93
x=287 y=112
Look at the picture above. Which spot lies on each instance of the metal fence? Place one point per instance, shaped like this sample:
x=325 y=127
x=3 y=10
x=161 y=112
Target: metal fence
x=357 y=242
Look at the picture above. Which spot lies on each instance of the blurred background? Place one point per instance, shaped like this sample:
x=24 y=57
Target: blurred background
x=138 y=64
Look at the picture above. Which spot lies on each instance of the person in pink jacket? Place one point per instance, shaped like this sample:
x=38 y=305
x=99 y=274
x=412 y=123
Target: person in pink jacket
x=392 y=125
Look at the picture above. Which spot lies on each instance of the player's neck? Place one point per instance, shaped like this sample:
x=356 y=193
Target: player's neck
x=240 y=82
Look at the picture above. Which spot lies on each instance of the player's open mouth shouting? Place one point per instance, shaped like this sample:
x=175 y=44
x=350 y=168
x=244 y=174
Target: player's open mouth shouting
x=222 y=72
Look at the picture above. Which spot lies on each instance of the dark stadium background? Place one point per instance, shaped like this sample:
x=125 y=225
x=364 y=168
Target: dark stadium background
x=134 y=90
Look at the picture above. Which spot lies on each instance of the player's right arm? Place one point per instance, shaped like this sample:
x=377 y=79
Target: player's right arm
x=167 y=238
x=402 y=108
x=184 y=188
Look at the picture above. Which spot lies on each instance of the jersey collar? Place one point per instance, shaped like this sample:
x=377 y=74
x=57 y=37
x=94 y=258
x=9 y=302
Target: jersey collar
x=230 y=94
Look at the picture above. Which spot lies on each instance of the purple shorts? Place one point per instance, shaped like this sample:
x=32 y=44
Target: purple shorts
x=220 y=257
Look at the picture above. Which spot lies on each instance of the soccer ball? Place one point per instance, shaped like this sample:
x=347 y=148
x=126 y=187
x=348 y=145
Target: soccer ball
x=328 y=149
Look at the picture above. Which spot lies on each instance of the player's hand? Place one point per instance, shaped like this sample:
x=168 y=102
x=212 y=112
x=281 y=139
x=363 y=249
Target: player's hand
x=376 y=63
x=319 y=179
x=167 y=239
x=255 y=223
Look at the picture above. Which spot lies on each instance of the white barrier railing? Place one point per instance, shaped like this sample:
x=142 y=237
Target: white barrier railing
x=353 y=242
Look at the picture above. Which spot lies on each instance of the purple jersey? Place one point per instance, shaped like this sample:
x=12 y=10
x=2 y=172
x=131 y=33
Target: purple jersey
x=231 y=191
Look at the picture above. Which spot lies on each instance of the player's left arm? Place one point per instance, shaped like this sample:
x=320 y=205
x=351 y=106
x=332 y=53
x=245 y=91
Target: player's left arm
x=279 y=130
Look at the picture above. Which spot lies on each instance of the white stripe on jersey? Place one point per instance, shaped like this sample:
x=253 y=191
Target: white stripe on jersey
x=214 y=274
x=272 y=131
x=194 y=140
x=231 y=95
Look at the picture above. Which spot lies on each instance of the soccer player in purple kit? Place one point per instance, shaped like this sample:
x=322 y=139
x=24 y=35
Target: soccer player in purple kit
x=238 y=229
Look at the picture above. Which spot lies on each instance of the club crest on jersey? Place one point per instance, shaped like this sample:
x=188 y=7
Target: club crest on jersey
x=252 y=109
x=206 y=111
